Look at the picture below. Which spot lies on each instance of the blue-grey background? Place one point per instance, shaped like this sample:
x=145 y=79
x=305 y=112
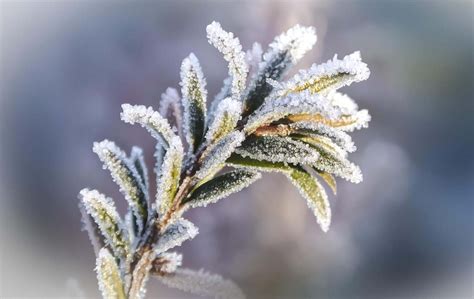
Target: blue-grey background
x=405 y=232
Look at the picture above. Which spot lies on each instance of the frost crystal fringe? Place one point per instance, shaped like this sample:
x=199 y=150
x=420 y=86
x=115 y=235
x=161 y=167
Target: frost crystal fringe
x=232 y=50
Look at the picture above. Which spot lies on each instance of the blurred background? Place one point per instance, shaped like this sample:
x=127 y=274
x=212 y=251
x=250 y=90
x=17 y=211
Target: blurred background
x=405 y=232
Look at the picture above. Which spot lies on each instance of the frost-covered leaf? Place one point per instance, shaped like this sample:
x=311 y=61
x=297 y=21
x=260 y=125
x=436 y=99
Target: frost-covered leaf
x=167 y=263
x=338 y=136
x=175 y=234
x=138 y=160
x=108 y=275
x=170 y=108
x=333 y=162
x=230 y=47
x=92 y=228
x=215 y=156
x=283 y=52
x=277 y=149
x=193 y=90
x=328 y=76
x=238 y=161
x=151 y=120
x=169 y=174
x=127 y=177
x=226 y=117
x=203 y=284
x=220 y=187
x=347 y=123
x=141 y=274
x=303 y=103
x=314 y=193
x=102 y=210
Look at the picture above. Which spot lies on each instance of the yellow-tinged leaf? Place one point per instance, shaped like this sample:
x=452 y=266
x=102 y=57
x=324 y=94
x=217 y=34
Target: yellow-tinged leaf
x=314 y=193
x=108 y=275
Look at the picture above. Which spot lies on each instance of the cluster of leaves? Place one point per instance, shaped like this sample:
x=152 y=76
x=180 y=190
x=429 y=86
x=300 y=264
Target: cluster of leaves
x=256 y=123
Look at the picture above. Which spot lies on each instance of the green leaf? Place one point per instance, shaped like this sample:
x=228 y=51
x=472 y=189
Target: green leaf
x=194 y=101
x=169 y=175
x=220 y=187
x=108 y=275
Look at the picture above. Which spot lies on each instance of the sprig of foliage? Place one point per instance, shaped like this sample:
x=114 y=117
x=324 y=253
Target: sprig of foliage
x=256 y=123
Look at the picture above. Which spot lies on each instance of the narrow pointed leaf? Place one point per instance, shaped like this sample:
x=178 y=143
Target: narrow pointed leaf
x=151 y=120
x=303 y=103
x=170 y=108
x=102 y=210
x=220 y=187
x=315 y=196
x=194 y=101
x=138 y=160
x=170 y=173
x=108 y=275
x=92 y=228
x=125 y=174
x=328 y=76
x=230 y=47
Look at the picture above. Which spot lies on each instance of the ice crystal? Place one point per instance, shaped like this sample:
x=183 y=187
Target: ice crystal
x=193 y=89
x=178 y=232
x=257 y=123
x=232 y=50
x=203 y=283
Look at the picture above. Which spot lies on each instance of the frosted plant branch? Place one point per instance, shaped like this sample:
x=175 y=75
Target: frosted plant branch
x=258 y=122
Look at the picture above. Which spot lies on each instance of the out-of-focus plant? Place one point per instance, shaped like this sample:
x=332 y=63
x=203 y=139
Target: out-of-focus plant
x=256 y=123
